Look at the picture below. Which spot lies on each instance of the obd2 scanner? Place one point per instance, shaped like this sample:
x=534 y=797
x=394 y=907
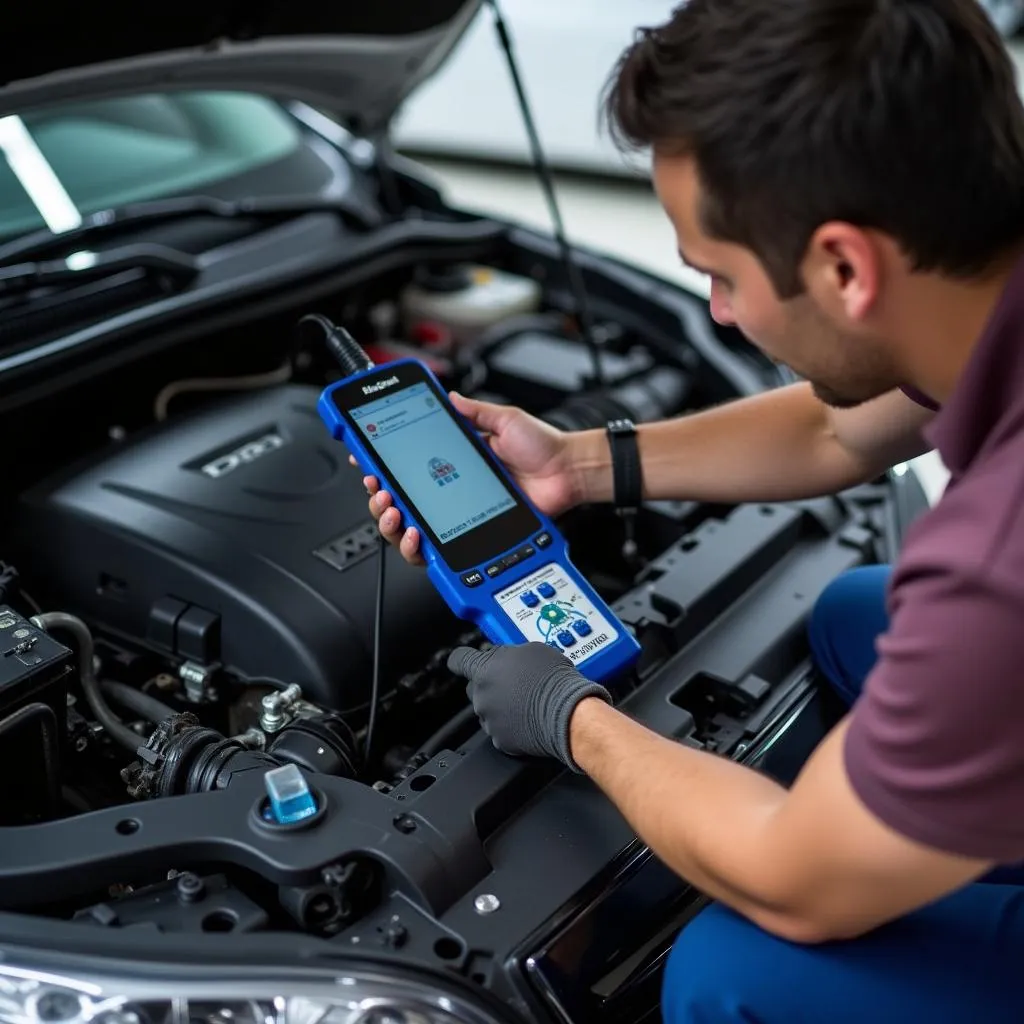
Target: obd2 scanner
x=495 y=559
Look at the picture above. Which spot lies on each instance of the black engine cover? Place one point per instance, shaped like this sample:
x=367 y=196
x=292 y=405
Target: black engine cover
x=239 y=535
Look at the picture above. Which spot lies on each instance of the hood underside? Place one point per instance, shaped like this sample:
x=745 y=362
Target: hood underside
x=357 y=60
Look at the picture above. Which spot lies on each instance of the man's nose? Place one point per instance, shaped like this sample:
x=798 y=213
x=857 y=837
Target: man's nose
x=721 y=308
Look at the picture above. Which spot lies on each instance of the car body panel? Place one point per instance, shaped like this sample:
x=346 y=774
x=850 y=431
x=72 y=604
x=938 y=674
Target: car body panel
x=358 y=63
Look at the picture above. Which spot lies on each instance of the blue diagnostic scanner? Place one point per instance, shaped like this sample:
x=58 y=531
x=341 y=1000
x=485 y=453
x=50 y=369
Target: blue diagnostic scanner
x=493 y=557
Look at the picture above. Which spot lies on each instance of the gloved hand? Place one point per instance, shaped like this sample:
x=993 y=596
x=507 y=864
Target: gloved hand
x=525 y=696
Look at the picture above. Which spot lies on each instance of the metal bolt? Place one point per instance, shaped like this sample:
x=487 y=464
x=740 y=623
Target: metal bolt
x=486 y=903
x=196 y=679
x=277 y=705
x=190 y=887
x=273 y=716
x=252 y=738
x=55 y=1005
x=394 y=936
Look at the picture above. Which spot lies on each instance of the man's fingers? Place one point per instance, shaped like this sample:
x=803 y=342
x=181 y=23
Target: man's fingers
x=381 y=505
x=390 y=522
x=486 y=417
x=464 y=661
x=410 y=546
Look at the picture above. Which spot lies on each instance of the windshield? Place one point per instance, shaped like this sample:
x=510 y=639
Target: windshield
x=71 y=160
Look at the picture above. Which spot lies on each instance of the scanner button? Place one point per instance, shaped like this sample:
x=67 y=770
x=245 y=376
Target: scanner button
x=565 y=638
x=514 y=559
x=526 y=552
x=530 y=599
x=582 y=628
x=546 y=590
x=494 y=569
x=473 y=579
x=542 y=540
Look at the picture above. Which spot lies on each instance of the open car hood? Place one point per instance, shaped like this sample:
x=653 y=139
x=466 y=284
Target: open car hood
x=357 y=60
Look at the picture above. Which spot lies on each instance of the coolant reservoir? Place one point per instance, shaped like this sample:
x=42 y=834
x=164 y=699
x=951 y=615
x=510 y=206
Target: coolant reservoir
x=465 y=300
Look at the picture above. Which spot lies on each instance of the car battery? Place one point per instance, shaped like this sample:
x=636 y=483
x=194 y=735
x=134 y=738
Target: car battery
x=35 y=671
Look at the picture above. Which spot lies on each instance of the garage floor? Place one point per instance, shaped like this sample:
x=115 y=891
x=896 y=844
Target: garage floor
x=618 y=217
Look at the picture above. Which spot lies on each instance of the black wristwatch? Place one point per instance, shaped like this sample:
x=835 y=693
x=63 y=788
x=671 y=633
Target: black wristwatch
x=627 y=480
x=627 y=475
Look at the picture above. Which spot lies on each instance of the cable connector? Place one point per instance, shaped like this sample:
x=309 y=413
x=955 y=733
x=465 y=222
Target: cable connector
x=346 y=351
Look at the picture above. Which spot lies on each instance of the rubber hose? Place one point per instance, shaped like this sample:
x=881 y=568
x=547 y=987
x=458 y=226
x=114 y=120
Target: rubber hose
x=117 y=730
x=140 y=703
x=446 y=735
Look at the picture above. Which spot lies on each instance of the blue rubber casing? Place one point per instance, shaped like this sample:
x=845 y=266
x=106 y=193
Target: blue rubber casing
x=562 y=606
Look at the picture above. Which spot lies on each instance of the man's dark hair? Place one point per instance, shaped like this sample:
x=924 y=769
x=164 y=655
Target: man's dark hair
x=897 y=115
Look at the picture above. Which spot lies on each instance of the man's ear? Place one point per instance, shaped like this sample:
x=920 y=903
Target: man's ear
x=842 y=270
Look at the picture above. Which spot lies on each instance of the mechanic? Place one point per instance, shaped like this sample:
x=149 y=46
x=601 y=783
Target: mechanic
x=850 y=175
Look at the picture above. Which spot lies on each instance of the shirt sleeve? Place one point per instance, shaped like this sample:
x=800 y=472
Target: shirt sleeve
x=935 y=747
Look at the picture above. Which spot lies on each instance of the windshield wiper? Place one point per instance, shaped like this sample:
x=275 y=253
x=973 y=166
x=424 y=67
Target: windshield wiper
x=157 y=259
x=44 y=241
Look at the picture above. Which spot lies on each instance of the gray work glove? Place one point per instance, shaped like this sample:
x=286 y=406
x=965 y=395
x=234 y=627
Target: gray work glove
x=525 y=696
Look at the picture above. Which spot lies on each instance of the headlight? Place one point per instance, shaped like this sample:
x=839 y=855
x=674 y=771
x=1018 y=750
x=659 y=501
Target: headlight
x=33 y=996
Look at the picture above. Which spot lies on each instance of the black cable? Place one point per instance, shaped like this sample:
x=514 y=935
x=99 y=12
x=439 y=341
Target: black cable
x=351 y=359
x=343 y=348
x=576 y=286
x=378 y=618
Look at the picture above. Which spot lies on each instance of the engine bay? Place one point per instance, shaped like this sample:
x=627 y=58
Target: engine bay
x=221 y=562
x=188 y=600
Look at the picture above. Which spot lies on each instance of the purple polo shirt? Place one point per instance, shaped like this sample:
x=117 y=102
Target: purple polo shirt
x=935 y=747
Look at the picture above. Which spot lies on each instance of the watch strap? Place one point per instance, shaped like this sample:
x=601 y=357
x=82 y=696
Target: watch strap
x=627 y=473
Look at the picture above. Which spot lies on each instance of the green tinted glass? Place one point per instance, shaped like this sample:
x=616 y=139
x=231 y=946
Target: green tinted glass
x=94 y=155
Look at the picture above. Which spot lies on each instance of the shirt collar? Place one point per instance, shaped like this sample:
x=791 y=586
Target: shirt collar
x=992 y=382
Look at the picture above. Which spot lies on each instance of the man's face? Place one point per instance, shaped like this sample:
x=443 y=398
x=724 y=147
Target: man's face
x=822 y=334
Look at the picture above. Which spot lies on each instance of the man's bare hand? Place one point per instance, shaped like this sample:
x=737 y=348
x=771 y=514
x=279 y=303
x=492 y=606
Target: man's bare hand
x=537 y=455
